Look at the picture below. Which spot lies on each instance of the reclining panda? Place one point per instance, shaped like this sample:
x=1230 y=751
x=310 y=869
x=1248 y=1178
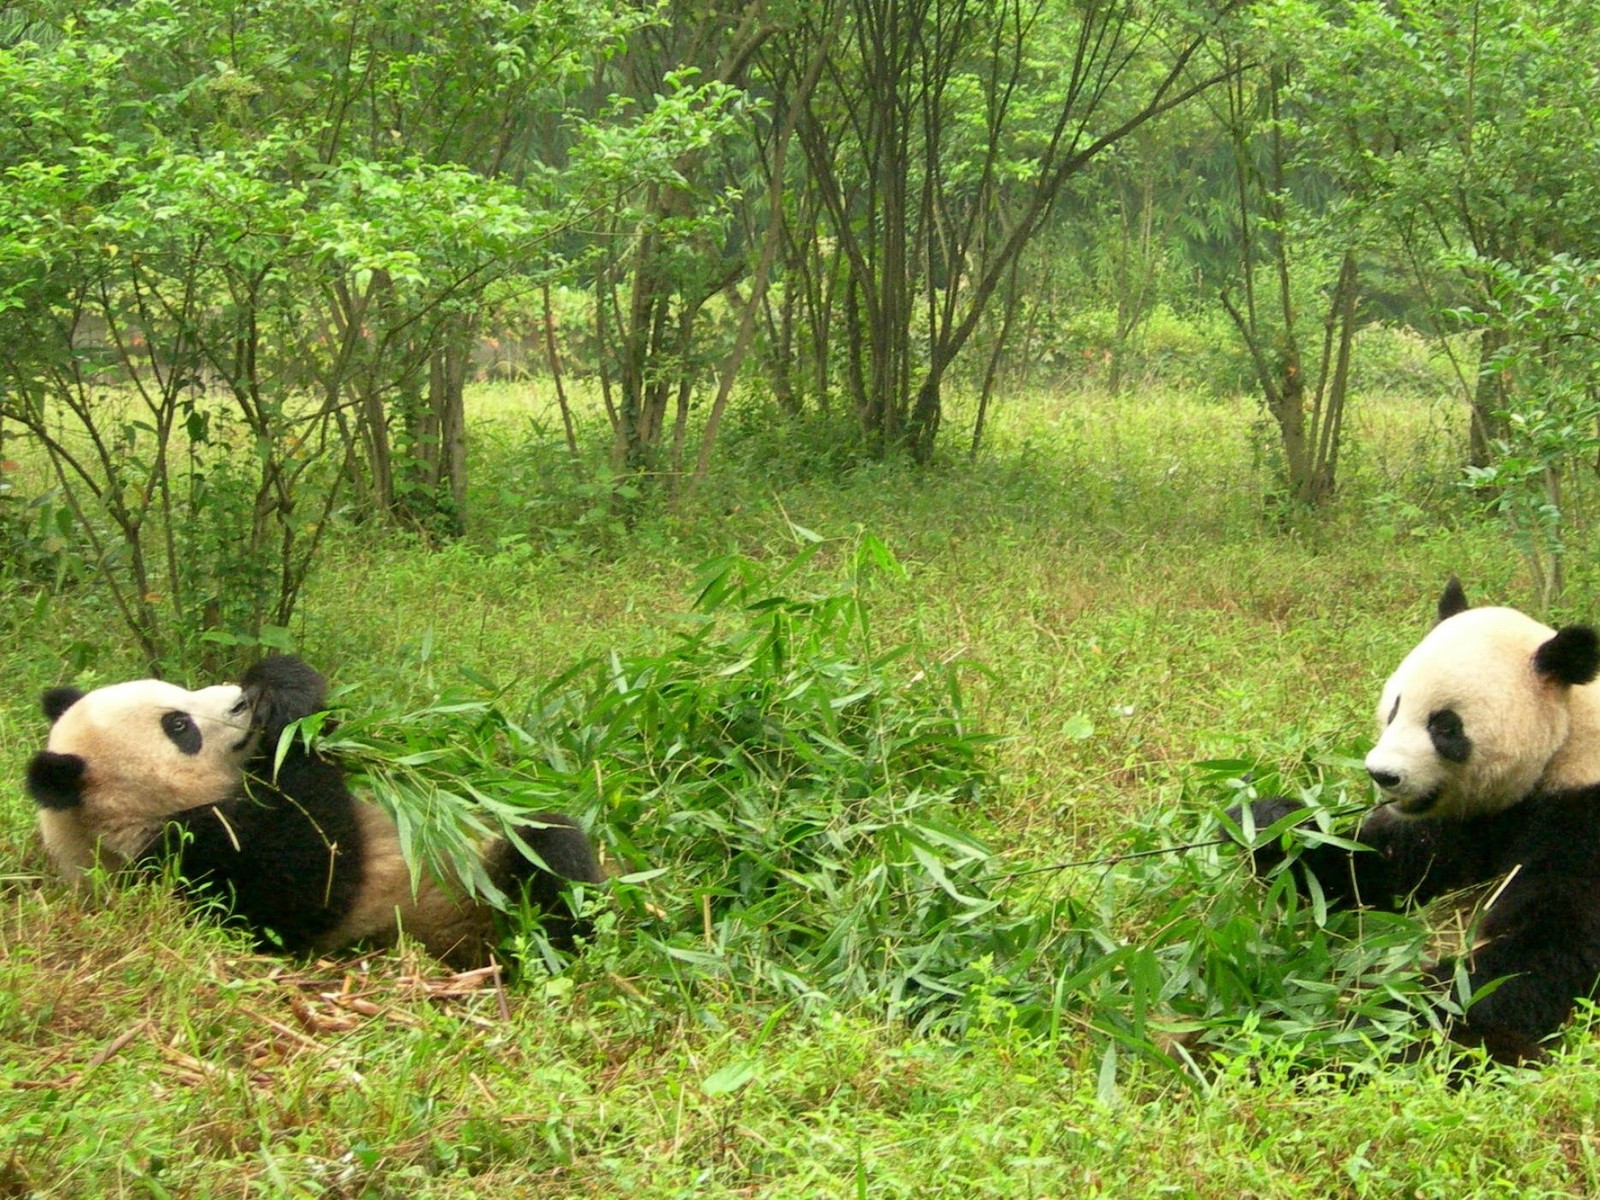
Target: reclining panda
x=146 y=773
x=1489 y=762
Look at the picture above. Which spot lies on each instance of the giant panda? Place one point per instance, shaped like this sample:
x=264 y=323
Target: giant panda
x=148 y=774
x=1488 y=766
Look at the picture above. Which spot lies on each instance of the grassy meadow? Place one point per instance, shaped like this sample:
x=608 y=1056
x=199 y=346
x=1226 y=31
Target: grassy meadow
x=1120 y=603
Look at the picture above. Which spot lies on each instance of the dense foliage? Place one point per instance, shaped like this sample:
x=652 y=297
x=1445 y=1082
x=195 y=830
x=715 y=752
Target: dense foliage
x=239 y=286
x=241 y=290
x=1179 y=350
x=787 y=803
x=244 y=289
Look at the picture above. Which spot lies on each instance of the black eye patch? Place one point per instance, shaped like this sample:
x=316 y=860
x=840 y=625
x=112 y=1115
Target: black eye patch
x=1449 y=736
x=182 y=732
x=1393 y=711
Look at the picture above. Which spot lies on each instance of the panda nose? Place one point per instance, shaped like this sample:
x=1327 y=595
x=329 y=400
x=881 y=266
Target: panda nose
x=1384 y=779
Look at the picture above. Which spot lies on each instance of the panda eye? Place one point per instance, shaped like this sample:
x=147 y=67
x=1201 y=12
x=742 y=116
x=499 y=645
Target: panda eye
x=1446 y=723
x=181 y=731
x=1393 y=712
x=1449 y=735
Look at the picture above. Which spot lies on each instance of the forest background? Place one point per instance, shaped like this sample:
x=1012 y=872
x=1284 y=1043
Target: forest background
x=860 y=456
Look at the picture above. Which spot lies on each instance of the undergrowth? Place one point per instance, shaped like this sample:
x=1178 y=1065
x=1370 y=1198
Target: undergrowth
x=872 y=927
x=790 y=806
x=795 y=813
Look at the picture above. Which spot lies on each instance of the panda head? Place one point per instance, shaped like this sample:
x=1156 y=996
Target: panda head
x=1490 y=707
x=122 y=760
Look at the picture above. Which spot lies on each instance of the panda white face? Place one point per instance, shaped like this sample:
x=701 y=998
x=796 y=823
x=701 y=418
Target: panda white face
x=1476 y=714
x=123 y=759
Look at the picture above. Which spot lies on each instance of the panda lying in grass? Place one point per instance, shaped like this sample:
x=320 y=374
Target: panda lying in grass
x=146 y=773
x=1489 y=762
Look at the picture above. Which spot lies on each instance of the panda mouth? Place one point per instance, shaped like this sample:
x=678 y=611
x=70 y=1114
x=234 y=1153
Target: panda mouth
x=242 y=710
x=1417 y=806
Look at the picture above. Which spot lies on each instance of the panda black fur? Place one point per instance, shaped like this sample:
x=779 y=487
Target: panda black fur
x=1489 y=761
x=146 y=773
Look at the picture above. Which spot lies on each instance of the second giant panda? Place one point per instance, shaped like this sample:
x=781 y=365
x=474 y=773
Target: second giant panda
x=1488 y=762
x=146 y=773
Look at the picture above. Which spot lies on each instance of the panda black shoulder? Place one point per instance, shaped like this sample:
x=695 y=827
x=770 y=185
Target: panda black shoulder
x=1551 y=833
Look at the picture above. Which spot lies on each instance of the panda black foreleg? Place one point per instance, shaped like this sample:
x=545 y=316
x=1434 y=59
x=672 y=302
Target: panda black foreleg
x=1404 y=860
x=1344 y=877
x=282 y=689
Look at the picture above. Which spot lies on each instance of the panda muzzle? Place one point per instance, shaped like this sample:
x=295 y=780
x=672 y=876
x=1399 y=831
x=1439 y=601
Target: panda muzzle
x=1417 y=806
x=55 y=781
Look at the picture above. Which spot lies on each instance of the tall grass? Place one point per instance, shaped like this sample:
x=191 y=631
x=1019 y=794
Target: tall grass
x=820 y=970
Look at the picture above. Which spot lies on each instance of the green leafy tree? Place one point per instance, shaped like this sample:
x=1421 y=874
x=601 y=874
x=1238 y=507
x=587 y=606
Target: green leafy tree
x=682 y=272
x=1470 y=133
x=236 y=281
x=1549 y=362
x=1294 y=241
x=938 y=143
x=1469 y=136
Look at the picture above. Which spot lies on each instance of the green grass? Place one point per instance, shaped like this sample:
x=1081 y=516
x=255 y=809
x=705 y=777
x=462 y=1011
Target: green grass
x=1122 y=605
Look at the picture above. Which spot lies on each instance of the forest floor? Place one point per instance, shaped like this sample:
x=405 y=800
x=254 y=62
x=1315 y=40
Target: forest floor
x=1131 y=605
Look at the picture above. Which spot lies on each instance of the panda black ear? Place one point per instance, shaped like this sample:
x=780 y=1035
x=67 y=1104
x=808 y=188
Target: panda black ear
x=57 y=700
x=56 y=780
x=1453 y=601
x=1571 y=657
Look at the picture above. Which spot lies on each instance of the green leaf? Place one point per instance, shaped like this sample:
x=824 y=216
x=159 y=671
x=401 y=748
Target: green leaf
x=1106 y=1080
x=1079 y=727
x=728 y=1079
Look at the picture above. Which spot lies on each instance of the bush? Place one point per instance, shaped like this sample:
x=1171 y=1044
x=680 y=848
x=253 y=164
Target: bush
x=791 y=809
x=789 y=802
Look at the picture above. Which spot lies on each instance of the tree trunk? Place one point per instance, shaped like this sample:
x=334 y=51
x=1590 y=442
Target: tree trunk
x=380 y=458
x=1488 y=400
x=554 y=358
x=922 y=429
x=447 y=382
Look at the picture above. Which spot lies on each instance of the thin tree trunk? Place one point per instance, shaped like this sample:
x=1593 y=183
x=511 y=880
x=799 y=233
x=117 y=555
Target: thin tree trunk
x=770 y=246
x=1488 y=400
x=448 y=406
x=1013 y=295
x=549 y=325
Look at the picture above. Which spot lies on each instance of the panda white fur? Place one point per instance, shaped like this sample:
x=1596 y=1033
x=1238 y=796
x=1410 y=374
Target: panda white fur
x=146 y=773
x=1488 y=759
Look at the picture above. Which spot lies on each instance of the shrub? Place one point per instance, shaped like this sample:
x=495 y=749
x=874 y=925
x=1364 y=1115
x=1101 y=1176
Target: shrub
x=789 y=801
x=791 y=810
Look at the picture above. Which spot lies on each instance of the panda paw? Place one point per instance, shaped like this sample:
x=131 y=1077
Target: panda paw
x=1264 y=858
x=281 y=689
